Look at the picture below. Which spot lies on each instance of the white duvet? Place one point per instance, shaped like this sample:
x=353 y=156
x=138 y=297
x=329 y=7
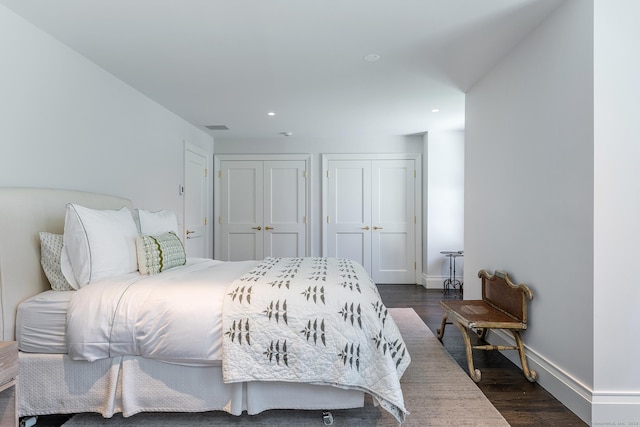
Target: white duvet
x=312 y=320
x=174 y=316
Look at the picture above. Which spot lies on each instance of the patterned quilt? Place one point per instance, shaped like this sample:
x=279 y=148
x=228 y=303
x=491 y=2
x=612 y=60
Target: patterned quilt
x=313 y=320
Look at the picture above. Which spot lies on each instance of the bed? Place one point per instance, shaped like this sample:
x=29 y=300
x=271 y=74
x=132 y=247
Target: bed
x=59 y=374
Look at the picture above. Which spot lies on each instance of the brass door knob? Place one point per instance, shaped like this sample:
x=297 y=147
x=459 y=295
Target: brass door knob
x=256 y=228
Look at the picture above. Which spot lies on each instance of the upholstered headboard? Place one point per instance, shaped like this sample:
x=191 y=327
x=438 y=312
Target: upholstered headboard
x=24 y=212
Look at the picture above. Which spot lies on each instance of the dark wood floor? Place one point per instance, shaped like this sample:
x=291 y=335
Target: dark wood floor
x=520 y=402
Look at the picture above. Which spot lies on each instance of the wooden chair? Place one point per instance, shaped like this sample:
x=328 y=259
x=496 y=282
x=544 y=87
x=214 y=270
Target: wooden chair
x=503 y=306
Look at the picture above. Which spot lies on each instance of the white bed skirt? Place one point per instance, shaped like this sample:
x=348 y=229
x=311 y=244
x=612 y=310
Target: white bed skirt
x=55 y=384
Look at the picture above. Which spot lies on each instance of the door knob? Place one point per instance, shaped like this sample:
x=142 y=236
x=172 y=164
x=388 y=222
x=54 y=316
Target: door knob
x=268 y=228
x=375 y=227
x=365 y=228
x=190 y=232
x=256 y=228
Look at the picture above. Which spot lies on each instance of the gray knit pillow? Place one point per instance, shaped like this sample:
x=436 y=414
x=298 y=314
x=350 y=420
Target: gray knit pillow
x=50 y=252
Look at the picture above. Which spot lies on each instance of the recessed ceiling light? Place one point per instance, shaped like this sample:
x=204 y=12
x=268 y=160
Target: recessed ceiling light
x=271 y=113
x=372 y=57
x=435 y=110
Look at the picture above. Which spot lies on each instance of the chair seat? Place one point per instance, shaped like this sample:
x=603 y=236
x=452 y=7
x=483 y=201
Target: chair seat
x=479 y=314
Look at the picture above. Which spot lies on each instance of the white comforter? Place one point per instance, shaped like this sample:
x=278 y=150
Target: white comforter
x=174 y=316
x=311 y=320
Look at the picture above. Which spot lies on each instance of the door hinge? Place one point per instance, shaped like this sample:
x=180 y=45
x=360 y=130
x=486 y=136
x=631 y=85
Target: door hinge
x=327 y=220
x=415 y=219
x=304 y=219
x=219 y=174
x=220 y=220
x=327 y=173
x=415 y=173
x=206 y=172
x=415 y=265
x=205 y=220
x=304 y=174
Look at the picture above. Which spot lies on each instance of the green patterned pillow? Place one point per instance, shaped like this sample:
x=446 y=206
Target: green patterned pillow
x=159 y=253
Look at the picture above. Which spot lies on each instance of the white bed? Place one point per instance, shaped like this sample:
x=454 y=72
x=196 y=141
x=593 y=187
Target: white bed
x=51 y=382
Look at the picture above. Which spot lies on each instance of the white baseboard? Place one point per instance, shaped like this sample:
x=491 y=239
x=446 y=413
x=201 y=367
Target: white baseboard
x=568 y=390
x=433 y=282
x=615 y=408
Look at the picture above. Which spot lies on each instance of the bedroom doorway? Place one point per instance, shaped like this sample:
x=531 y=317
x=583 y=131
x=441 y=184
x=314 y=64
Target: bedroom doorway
x=195 y=193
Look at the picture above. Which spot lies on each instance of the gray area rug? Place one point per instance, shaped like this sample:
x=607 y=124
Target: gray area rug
x=436 y=390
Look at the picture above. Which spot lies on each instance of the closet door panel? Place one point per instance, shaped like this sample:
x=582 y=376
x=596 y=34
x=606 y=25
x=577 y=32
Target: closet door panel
x=283 y=245
x=393 y=207
x=352 y=246
x=351 y=188
x=241 y=184
x=284 y=208
x=244 y=246
x=349 y=211
x=282 y=193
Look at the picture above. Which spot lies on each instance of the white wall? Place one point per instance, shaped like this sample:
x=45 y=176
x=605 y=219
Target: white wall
x=443 y=204
x=529 y=193
x=617 y=210
x=317 y=147
x=66 y=123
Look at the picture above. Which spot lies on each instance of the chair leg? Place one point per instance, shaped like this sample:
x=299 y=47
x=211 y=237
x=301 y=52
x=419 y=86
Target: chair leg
x=443 y=323
x=482 y=333
x=473 y=373
x=530 y=374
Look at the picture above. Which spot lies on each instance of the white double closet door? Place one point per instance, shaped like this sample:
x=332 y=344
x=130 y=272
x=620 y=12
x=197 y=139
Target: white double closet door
x=261 y=207
x=371 y=214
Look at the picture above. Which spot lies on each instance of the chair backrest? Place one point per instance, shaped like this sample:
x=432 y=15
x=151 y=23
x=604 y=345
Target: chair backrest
x=499 y=291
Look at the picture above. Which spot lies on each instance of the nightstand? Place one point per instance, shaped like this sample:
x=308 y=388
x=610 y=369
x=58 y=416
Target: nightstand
x=8 y=383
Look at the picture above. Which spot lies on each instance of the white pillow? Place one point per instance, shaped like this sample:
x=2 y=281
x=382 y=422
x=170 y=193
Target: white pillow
x=97 y=244
x=50 y=254
x=157 y=222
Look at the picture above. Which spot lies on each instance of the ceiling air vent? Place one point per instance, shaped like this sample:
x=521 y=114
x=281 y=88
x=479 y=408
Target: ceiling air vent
x=217 y=127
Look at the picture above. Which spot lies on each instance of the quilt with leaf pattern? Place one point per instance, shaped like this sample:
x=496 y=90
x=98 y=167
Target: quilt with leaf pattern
x=313 y=320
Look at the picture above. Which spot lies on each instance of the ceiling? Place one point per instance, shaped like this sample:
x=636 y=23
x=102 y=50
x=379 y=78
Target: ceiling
x=225 y=62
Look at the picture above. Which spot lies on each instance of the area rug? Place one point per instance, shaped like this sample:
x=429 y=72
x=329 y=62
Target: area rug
x=436 y=390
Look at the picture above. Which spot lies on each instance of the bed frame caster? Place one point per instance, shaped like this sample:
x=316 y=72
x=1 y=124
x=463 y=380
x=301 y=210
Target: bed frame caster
x=327 y=418
x=28 y=421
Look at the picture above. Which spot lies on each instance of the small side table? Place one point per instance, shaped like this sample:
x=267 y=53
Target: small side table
x=8 y=383
x=452 y=282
